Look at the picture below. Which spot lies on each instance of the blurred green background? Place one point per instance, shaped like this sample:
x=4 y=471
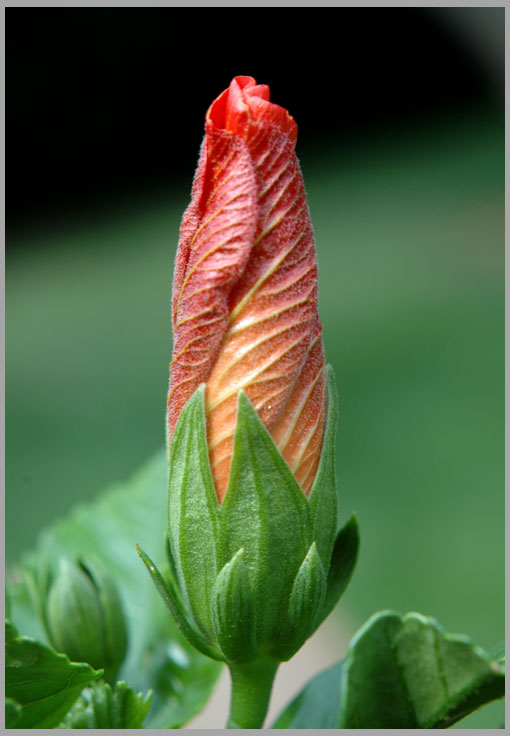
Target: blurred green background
x=409 y=224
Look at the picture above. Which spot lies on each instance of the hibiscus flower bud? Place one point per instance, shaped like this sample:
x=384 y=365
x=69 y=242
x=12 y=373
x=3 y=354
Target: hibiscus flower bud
x=255 y=562
x=244 y=304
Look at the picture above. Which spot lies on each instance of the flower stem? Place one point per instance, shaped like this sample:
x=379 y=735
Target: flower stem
x=251 y=688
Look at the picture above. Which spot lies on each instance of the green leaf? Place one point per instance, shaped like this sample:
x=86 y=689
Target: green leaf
x=323 y=498
x=318 y=705
x=343 y=562
x=22 y=606
x=233 y=611
x=101 y=707
x=193 y=511
x=159 y=657
x=13 y=712
x=400 y=672
x=305 y=605
x=406 y=672
x=182 y=681
x=265 y=512
x=44 y=684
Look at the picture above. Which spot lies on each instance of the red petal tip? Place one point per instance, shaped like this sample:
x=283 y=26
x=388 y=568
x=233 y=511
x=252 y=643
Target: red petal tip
x=246 y=104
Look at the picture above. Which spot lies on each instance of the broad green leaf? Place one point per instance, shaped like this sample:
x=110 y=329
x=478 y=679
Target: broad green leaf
x=193 y=510
x=323 y=497
x=400 y=672
x=406 y=672
x=41 y=682
x=318 y=705
x=266 y=513
x=182 y=681
x=100 y=706
x=159 y=657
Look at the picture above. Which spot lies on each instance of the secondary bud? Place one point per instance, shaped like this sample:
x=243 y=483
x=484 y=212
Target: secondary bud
x=84 y=616
x=244 y=302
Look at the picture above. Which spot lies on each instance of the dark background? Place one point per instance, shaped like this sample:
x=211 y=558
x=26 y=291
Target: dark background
x=101 y=102
x=401 y=142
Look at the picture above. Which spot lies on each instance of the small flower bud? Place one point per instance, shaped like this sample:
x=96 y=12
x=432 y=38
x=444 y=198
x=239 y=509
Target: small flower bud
x=84 y=616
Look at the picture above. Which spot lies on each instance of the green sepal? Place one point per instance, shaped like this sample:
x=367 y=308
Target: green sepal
x=172 y=575
x=323 y=498
x=305 y=604
x=233 y=611
x=112 y=613
x=193 y=511
x=265 y=512
x=174 y=605
x=343 y=562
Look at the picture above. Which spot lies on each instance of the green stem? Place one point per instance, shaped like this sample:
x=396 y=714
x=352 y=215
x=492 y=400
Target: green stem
x=251 y=688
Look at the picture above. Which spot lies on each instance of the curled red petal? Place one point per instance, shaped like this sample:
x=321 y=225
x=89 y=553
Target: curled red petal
x=215 y=241
x=244 y=108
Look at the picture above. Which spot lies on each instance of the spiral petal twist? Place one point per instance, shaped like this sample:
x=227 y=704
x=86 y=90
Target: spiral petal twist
x=244 y=305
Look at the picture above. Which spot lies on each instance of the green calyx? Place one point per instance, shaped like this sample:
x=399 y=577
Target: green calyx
x=251 y=579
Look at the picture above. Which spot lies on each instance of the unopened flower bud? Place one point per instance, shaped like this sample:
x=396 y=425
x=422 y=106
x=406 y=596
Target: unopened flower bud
x=256 y=562
x=84 y=616
x=245 y=287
